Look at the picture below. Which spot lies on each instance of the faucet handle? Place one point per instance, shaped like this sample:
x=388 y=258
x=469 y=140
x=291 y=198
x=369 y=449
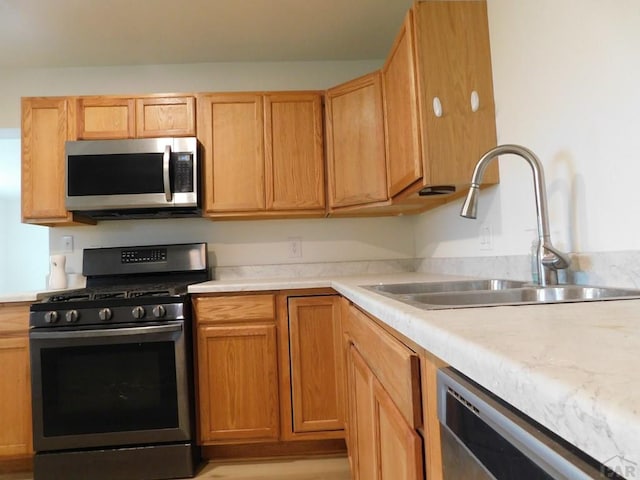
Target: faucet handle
x=554 y=258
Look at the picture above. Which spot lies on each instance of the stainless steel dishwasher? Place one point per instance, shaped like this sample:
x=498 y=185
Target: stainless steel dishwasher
x=485 y=438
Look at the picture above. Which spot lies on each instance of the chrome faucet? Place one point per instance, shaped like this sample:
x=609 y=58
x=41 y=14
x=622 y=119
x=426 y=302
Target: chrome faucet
x=549 y=259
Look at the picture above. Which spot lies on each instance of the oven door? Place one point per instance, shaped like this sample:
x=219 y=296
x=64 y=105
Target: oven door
x=108 y=387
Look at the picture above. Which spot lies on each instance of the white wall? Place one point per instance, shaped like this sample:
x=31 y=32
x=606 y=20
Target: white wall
x=24 y=249
x=204 y=77
x=566 y=78
x=231 y=243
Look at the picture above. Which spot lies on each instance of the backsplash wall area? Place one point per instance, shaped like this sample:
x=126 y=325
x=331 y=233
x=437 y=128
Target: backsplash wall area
x=260 y=247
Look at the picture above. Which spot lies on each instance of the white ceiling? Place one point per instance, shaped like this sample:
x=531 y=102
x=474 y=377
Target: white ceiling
x=65 y=33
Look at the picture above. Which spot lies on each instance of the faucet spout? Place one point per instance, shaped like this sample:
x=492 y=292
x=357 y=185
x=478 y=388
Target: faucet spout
x=550 y=259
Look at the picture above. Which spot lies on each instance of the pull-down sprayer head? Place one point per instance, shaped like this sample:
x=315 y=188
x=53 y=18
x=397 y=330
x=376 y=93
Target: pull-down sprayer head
x=470 y=205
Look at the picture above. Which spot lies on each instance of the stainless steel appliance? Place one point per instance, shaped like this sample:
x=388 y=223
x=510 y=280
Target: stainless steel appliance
x=111 y=368
x=485 y=438
x=148 y=177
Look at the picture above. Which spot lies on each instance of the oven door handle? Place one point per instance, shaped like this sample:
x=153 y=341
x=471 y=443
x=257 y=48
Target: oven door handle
x=111 y=332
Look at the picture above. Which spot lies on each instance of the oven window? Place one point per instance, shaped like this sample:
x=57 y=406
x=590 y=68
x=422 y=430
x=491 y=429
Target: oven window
x=109 y=388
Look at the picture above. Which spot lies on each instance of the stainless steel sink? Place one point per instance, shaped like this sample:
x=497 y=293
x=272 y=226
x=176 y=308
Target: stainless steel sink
x=440 y=287
x=491 y=293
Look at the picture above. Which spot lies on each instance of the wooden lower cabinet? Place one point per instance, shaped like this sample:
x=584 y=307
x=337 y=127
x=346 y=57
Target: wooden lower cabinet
x=237 y=369
x=384 y=419
x=269 y=369
x=314 y=390
x=239 y=392
x=15 y=384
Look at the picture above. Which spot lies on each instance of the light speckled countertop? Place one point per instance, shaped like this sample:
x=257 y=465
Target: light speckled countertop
x=18 y=297
x=571 y=367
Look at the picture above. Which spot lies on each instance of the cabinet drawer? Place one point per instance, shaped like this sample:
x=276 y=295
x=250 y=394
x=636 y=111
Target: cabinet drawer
x=394 y=365
x=234 y=308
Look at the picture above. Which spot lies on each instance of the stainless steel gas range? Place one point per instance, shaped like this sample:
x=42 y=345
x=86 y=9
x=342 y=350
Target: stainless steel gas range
x=111 y=368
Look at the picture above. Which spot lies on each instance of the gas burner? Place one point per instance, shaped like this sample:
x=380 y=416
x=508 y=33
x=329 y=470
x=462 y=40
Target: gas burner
x=78 y=295
x=148 y=293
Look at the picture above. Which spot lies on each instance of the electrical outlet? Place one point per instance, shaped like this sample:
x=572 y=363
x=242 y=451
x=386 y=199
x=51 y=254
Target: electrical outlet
x=486 y=237
x=294 y=247
x=67 y=244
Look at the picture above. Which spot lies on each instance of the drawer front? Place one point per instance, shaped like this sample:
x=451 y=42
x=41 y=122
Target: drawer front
x=395 y=366
x=235 y=308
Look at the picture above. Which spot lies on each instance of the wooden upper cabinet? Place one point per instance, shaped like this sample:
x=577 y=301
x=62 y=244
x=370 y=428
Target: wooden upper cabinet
x=454 y=60
x=231 y=129
x=47 y=123
x=356 y=160
x=107 y=117
x=401 y=108
x=165 y=117
x=263 y=154
x=294 y=151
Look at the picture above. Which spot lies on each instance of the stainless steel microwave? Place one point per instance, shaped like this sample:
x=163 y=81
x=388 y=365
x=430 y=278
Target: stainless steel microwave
x=135 y=178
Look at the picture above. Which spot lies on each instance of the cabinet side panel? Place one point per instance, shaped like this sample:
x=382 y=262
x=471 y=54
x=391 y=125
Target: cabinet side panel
x=454 y=60
x=401 y=103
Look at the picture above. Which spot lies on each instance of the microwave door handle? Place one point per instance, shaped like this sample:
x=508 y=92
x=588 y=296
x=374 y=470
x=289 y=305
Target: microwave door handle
x=166 y=179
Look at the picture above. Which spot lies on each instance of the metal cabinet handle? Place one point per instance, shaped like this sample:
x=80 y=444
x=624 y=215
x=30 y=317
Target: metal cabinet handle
x=166 y=179
x=112 y=332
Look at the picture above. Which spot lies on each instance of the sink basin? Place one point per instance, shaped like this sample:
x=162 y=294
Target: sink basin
x=439 y=287
x=491 y=293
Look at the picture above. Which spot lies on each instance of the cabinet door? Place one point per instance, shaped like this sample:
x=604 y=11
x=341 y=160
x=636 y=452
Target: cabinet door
x=294 y=155
x=356 y=161
x=15 y=401
x=231 y=129
x=401 y=114
x=362 y=429
x=46 y=125
x=454 y=60
x=238 y=383
x=399 y=447
x=106 y=118
x=165 y=117
x=316 y=364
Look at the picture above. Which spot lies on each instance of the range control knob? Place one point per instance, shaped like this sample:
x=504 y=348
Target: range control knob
x=138 y=312
x=72 y=316
x=159 y=311
x=51 y=317
x=105 y=314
